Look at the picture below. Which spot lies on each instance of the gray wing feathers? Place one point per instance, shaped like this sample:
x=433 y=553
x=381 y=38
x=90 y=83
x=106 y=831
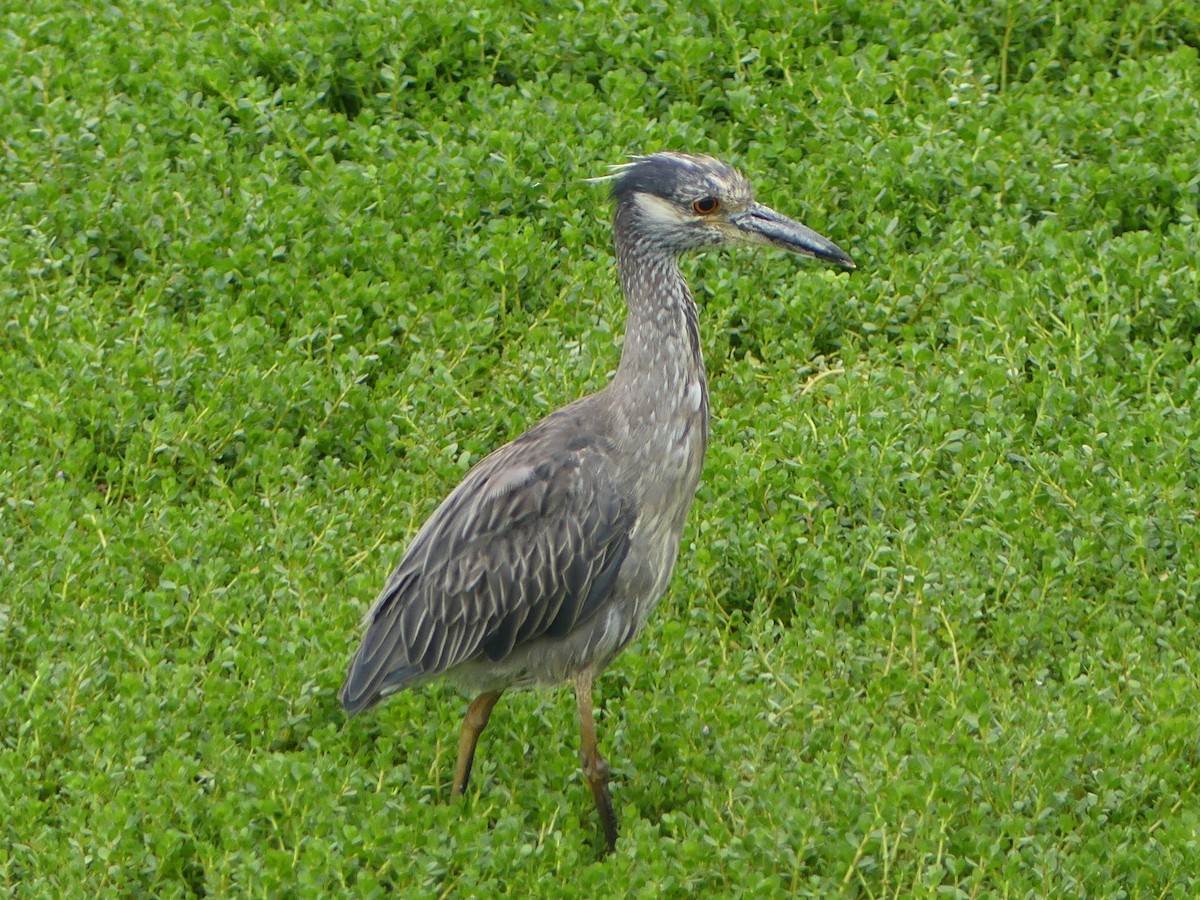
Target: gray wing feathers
x=529 y=544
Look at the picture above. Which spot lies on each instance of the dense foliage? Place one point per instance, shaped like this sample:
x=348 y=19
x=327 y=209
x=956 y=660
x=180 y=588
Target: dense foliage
x=272 y=276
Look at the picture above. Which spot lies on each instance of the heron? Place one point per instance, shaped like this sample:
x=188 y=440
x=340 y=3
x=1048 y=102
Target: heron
x=549 y=556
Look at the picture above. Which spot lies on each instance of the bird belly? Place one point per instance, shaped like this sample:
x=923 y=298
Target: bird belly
x=548 y=661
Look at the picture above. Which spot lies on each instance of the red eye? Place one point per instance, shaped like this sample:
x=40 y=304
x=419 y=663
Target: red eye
x=706 y=206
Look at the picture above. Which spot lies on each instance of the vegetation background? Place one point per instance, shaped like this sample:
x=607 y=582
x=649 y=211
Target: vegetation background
x=275 y=274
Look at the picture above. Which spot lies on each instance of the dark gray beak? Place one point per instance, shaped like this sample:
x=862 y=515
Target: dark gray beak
x=762 y=225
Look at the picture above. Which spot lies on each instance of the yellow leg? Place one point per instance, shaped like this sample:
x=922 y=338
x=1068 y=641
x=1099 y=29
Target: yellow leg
x=473 y=725
x=595 y=768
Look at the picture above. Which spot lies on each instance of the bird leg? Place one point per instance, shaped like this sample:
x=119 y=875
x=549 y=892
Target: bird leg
x=595 y=768
x=472 y=726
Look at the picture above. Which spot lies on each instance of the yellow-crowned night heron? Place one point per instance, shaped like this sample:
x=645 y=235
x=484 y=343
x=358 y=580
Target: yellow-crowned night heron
x=544 y=563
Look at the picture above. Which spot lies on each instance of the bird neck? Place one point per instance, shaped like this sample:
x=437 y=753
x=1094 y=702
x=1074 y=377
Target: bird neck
x=661 y=355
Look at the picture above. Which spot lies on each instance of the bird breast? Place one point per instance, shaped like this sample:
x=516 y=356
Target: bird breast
x=668 y=442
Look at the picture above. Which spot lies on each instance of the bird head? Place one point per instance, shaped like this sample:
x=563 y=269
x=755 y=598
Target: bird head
x=684 y=202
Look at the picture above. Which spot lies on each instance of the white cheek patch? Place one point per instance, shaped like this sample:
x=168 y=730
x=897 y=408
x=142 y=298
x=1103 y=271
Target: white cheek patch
x=660 y=211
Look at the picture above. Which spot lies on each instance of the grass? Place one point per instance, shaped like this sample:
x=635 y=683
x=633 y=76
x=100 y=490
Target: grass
x=273 y=277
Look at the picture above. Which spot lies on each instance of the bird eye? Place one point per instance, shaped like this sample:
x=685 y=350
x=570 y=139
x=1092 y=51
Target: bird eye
x=706 y=206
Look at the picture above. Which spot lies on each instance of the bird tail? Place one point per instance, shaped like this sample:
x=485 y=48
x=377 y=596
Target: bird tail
x=364 y=687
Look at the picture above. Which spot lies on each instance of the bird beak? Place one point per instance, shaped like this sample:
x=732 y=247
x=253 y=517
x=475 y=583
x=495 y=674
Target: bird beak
x=762 y=225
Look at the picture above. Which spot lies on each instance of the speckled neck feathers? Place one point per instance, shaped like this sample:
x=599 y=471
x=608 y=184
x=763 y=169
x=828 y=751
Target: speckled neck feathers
x=661 y=360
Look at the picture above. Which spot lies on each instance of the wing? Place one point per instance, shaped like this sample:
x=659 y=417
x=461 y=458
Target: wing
x=528 y=544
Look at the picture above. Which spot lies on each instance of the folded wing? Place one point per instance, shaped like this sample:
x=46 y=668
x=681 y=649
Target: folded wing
x=528 y=545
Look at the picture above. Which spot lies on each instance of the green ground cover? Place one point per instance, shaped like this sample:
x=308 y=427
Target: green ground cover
x=272 y=276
